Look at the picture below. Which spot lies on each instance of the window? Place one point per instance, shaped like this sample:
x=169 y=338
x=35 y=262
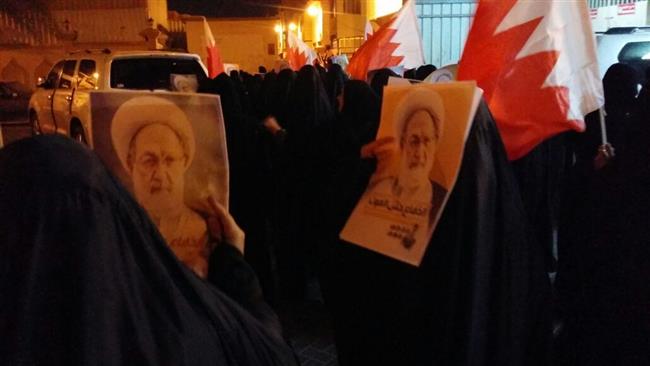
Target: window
x=152 y=73
x=66 y=76
x=86 y=77
x=637 y=55
x=53 y=77
x=635 y=51
x=352 y=6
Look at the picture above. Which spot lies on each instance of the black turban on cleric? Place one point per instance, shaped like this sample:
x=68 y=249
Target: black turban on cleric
x=86 y=279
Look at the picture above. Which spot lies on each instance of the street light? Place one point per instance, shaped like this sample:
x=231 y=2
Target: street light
x=292 y=26
x=313 y=10
x=277 y=28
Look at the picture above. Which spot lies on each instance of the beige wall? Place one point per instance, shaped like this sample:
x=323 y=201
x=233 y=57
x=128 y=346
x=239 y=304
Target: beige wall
x=99 y=24
x=158 y=11
x=350 y=25
x=26 y=65
x=241 y=41
x=105 y=25
x=111 y=21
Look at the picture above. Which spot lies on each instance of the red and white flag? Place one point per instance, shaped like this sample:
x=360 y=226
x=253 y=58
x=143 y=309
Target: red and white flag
x=397 y=43
x=368 y=31
x=298 y=53
x=214 y=63
x=536 y=62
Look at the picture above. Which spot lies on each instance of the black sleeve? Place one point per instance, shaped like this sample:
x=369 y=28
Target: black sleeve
x=229 y=271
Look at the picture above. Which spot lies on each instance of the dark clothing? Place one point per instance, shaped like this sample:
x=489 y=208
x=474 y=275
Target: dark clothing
x=86 y=278
x=424 y=71
x=247 y=167
x=334 y=81
x=380 y=80
x=603 y=280
x=542 y=177
x=480 y=294
x=359 y=120
x=309 y=131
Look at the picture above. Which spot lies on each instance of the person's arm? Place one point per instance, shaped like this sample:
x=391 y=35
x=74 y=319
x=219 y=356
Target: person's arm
x=273 y=127
x=228 y=270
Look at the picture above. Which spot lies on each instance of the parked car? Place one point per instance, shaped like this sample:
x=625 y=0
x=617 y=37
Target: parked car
x=14 y=100
x=629 y=45
x=61 y=102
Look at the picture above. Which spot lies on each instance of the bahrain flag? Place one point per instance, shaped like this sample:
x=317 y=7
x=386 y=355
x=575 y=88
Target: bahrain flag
x=536 y=62
x=396 y=43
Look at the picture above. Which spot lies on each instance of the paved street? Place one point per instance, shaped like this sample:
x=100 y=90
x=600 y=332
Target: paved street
x=308 y=327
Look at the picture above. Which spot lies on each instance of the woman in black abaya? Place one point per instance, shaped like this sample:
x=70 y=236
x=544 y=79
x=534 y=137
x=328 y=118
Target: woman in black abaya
x=349 y=283
x=248 y=203
x=86 y=279
x=604 y=258
x=480 y=295
x=334 y=81
x=309 y=128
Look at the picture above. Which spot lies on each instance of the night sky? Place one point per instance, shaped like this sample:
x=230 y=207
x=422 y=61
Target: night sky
x=225 y=8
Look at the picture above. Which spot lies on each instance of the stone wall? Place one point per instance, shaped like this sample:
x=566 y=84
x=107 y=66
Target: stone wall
x=26 y=65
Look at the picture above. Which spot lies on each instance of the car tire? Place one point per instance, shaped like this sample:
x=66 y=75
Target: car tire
x=77 y=133
x=34 y=124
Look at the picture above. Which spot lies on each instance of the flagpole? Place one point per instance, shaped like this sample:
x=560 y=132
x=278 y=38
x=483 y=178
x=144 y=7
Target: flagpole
x=603 y=129
x=605 y=151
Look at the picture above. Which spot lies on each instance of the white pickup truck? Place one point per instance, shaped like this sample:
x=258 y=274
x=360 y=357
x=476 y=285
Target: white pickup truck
x=61 y=102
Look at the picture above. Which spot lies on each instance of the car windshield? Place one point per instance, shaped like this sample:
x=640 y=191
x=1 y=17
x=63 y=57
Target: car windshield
x=152 y=72
x=637 y=55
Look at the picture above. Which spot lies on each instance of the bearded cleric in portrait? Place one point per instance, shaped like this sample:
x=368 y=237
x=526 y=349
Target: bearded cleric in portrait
x=410 y=193
x=155 y=144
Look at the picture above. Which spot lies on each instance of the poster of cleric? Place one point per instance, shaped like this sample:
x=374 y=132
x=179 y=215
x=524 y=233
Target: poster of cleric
x=428 y=124
x=169 y=150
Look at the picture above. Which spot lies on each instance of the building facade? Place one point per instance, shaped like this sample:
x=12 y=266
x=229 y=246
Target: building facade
x=32 y=40
x=607 y=14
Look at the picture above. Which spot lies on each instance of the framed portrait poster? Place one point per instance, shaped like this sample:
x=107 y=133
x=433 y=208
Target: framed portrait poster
x=169 y=150
x=398 y=212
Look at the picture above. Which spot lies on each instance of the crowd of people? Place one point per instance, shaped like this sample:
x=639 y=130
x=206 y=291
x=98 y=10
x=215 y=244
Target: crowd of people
x=541 y=261
x=547 y=210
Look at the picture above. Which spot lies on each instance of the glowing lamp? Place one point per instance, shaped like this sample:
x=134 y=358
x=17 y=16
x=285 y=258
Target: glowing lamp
x=312 y=10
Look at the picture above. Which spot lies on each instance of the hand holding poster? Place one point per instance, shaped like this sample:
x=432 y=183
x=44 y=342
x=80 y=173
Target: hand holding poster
x=428 y=123
x=169 y=151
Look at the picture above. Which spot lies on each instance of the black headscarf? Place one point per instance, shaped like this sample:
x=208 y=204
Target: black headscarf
x=230 y=97
x=237 y=136
x=410 y=74
x=278 y=100
x=310 y=107
x=360 y=113
x=424 y=71
x=335 y=79
x=380 y=80
x=620 y=85
x=86 y=279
